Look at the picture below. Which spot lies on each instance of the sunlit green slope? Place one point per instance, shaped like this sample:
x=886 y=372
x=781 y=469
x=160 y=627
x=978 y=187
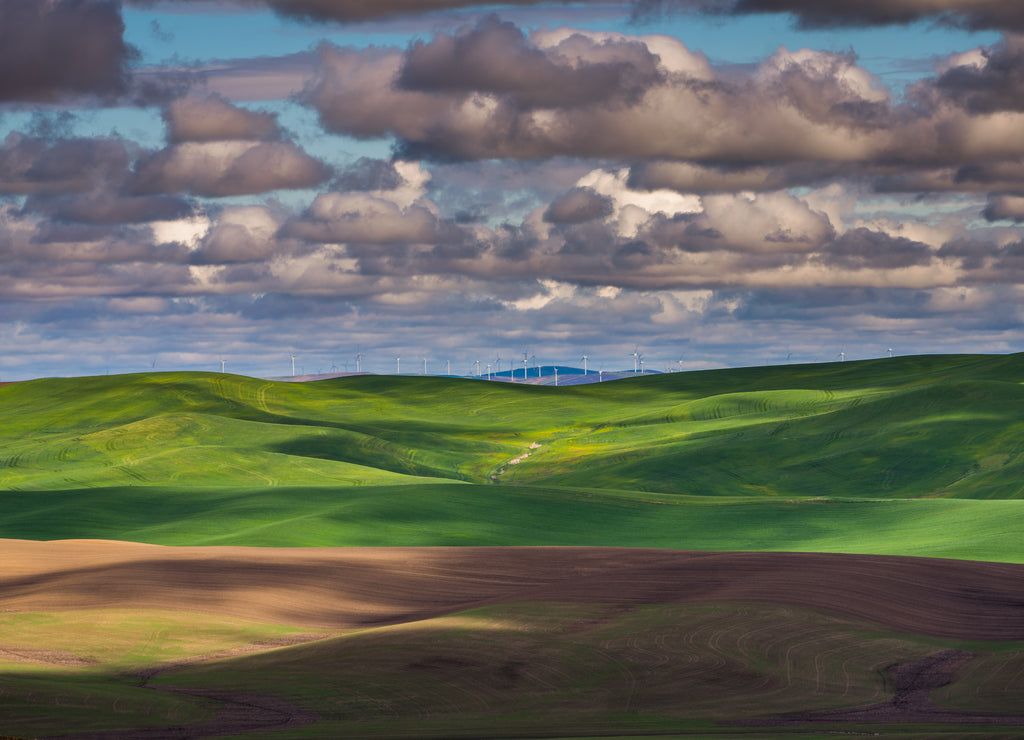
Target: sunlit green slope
x=677 y=460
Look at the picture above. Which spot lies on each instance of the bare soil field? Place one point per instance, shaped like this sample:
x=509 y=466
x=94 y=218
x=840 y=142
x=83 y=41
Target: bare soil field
x=330 y=591
x=345 y=588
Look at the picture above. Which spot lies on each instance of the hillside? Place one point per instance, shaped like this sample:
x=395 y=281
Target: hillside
x=806 y=480
x=916 y=455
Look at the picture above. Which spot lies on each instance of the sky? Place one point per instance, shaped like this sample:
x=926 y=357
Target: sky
x=228 y=184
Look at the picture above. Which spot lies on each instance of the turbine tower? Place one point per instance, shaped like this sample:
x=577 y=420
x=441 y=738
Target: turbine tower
x=636 y=358
x=222 y=365
x=890 y=352
x=293 y=365
x=585 y=358
x=398 y=365
x=359 y=356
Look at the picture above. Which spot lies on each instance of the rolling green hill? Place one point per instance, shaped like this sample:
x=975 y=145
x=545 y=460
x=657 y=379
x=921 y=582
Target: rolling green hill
x=915 y=455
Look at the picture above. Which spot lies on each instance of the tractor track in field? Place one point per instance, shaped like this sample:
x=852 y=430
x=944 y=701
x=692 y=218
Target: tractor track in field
x=239 y=713
x=912 y=684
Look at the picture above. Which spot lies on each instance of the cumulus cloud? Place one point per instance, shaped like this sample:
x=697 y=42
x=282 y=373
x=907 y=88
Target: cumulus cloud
x=55 y=48
x=579 y=205
x=224 y=168
x=668 y=103
x=1005 y=207
x=497 y=58
x=801 y=117
x=365 y=218
x=213 y=118
x=974 y=14
x=30 y=164
x=369 y=174
x=240 y=234
x=105 y=206
x=362 y=10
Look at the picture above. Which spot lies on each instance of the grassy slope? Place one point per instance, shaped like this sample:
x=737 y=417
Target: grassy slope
x=536 y=669
x=912 y=452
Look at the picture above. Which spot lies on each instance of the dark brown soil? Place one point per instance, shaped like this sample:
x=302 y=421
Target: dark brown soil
x=332 y=589
x=341 y=588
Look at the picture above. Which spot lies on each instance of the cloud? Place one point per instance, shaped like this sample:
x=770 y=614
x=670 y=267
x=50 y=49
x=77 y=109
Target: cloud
x=1005 y=207
x=213 y=118
x=104 y=206
x=369 y=174
x=799 y=105
x=801 y=117
x=496 y=58
x=973 y=14
x=240 y=234
x=364 y=218
x=30 y=165
x=56 y=48
x=862 y=248
x=364 y=10
x=578 y=206
x=225 y=168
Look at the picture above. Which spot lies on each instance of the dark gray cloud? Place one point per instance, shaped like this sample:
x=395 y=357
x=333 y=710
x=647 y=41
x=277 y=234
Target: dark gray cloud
x=992 y=81
x=241 y=234
x=108 y=207
x=577 y=206
x=798 y=106
x=974 y=14
x=496 y=57
x=368 y=174
x=213 y=118
x=31 y=164
x=863 y=248
x=364 y=10
x=218 y=169
x=362 y=218
x=1005 y=207
x=55 y=48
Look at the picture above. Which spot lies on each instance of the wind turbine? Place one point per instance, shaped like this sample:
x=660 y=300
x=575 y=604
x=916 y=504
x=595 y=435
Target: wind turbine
x=488 y=371
x=526 y=357
x=359 y=356
x=641 y=365
x=680 y=363
x=477 y=363
x=636 y=358
x=585 y=358
x=293 y=365
x=424 y=365
x=890 y=352
x=842 y=356
x=222 y=365
x=398 y=365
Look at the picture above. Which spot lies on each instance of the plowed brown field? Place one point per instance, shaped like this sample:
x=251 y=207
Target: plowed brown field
x=342 y=588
